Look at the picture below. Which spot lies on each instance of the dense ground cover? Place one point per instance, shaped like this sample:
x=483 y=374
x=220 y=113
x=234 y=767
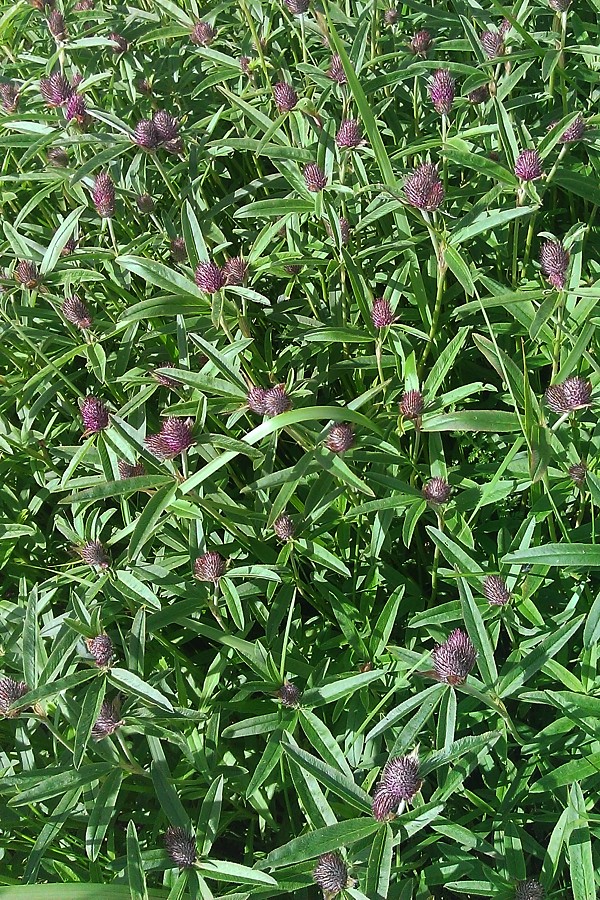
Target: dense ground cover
x=297 y=449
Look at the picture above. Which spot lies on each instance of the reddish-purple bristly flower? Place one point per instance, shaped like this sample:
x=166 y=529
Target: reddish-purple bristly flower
x=349 y=134
x=399 y=783
x=164 y=379
x=412 y=405
x=57 y=156
x=289 y=695
x=69 y=248
x=55 y=90
x=340 y=438
x=76 y=312
x=107 y=722
x=277 y=401
x=573 y=394
x=84 y=5
x=9 y=94
x=178 y=250
x=94 y=415
x=495 y=591
x=244 y=62
x=27 y=273
x=11 y=692
x=390 y=16
x=255 y=399
x=331 y=874
x=94 y=554
x=479 y=95
x=174 y=437
x=145 y=135
x=165 y=125
x=423 y=188
x=442 y=91
x=344 y=227
x=381 y=313
x=578 y=473
x=574 y=132
x=420 y=43
x=285 y=96
x=130 y=470
x=56 y=25
x=336 y=69
x=104 y=196
x=528 y=166
x=209 y=277
x=145 y=203
x=314 y=178
x=101 y=649
x=235 y=271
x=454 y=659
x=554 y=262
x=297 y=7
x=293 y=269
x=76 y=108
x=284 y=527
x=437 y=490
x=530 y=889
x=492 y=43
x=181 y=847
x=209 y=567
x=121 y=44
x=504 y=27
x=203 y=34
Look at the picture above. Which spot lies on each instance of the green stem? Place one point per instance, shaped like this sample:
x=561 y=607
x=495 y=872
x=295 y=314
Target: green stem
x=435 y=317
x=558 y=336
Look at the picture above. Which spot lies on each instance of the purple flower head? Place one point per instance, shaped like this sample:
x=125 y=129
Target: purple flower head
x=121 y=44
x=101 y=649
x=492 y=43
x=344 y=227
x=554 y=262
x=314 y=178
x=331 y=874
x=336 y=69
x=103 y=195
x=399 y=783
x=528 y=166
x=479 y=95
x=289 y=695
x=56 y=25
x=504 y=27
x=255 y=399
x=69 y=248
x=390 y=16
x=94 y=415
x=420 y=43
x=340 y=438
x=209 y=277
x=178 y=250
x=349 y=134
x=9 y=94
x=57 y=156
x=285 y=96
x=145 y=203
x=381 y=313
x=244 y=62
x=181 y=847
x=174 y=146
x=27 y=273
x=578 y=473
x=529 y=890
x=75 y=311
x=11 y=692
x=55 y=90
x=130 y=470
x=284 y=527
x=209 y=567
x=107 y=722
x=385 y=804
x=495 y=591
x=454 y=659
x=145 y=135
x=203 y=34
x=559 y=6
x=574 y=132
x=573 y=394
x=423 y=188
x=412 y=405
x=442 y=91
x=174 y=437
x=94 y=554
x=297 y=7
x=76 y=108
x=84 y=5
x=165 y=125
x=437 y=490
x=235 y=271
x=277 y=401
x=293 y=269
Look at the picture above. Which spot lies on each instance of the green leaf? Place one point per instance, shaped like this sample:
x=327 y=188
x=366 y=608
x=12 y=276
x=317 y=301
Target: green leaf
x=133 y=684
x=308 y=846
x=148 y=520
x=60 y=238
x=460 y=268
x=88 y=715
x=520 y=673
x=161 y=276
x=379 y=868
x=330 y=778
x=103 y=810
x=478 y=634
x=220 y=870
x=135 y=868
x=55 y=785
x=577 y=556
x=472 y=420
x=581 y=862
x=344 y=687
